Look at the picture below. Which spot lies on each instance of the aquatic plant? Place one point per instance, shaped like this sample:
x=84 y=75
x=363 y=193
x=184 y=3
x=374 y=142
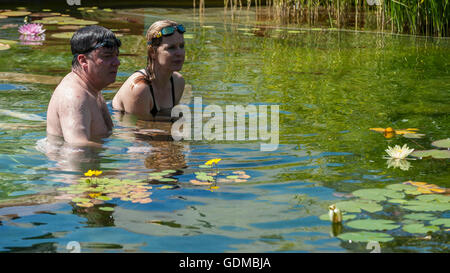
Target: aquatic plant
x=416 y=198
x=93 y=172
x=31 y=34
x=399 y=152
x=335 y=214
x=402 y=16
x=31 y=29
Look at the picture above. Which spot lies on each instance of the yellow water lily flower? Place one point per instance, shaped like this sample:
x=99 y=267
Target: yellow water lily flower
x=399 y=152
x=389 y=132
x=93 y=172
x=213 y=161
x=426 y=188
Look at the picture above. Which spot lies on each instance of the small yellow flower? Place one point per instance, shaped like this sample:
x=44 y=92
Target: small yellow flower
x=93 y=172
x=213 y=161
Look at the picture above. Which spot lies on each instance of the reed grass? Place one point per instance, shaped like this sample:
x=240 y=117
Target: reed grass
x=419 y=17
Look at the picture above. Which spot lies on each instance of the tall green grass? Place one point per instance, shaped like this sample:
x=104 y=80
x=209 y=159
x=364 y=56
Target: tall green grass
x=419 y=17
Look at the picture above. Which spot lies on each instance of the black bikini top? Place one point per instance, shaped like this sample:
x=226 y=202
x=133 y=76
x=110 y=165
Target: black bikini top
x=154 y=110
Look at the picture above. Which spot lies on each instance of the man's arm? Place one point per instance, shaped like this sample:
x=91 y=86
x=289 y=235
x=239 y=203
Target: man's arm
x=75 y=117
x=105 y=112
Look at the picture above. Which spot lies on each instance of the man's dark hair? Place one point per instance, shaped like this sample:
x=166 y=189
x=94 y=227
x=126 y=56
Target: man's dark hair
x=89 y=38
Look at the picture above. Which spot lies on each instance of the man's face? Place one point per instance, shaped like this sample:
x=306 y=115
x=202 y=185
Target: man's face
x=103 y=64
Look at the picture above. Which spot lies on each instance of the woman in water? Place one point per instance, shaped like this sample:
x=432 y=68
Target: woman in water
x=152 y=92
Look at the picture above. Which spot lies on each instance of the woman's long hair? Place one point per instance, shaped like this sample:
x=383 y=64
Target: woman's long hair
x=152 y=47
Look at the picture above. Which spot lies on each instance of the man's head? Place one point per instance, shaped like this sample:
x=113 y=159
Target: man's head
x=95 y=52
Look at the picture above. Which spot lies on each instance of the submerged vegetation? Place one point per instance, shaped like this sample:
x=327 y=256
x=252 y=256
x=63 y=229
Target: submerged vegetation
x=418 y=17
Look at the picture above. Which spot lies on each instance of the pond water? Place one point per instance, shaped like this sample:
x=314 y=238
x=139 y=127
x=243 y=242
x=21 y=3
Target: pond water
x=331 y=87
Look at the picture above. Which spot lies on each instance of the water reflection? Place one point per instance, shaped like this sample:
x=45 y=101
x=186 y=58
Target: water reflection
x=161 y=151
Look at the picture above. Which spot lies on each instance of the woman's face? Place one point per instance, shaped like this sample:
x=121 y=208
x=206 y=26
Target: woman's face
x=170 y=53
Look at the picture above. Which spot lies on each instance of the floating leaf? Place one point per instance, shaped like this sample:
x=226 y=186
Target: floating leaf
x=401 y=187
x=416 y=205
x=167 y=180
x=85 y=205
x=371 y=224
x=3 y=16
x=411 y=135
x=15 y=13
x=442 y=221
x=63 y=35
x=434 y=197
x=443 y=143
x=165 y=187
x=420 y=216
x=397 y=201
x=4 y=46
x=357 y=205
x=103 y=198
x=106 y=208
x=378 y=194
x=80 y=200
x=365 y=236
x=439 y=154
x=233 y=177
x=196 y=182
x=8 y=42
x=345 y=217
x=419 y=228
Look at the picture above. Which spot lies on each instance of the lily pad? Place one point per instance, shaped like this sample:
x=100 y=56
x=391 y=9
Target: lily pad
x=4 y=46
x=358 y=205
x=443 y=143
x=420 y=216
x=3 y=16
x=106 y=208
x=345 y=217
x=419 y=228
x=440 y=154
x=401 y=187
x=80 y=200
x=167 y=180
x=15 y=13
x=413 y=135
x=442 y=221
x=365 y=236
x=63 y=35
x=371 y=224
x=103 y=198
x=434 y=197
x=378 y=194
x=417 y=205
x=8 y=42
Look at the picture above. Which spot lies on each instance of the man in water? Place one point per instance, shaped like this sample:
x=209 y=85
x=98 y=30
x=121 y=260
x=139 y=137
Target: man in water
x=77 y=110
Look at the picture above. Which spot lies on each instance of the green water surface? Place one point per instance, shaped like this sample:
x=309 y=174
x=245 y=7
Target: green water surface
x=331 y=87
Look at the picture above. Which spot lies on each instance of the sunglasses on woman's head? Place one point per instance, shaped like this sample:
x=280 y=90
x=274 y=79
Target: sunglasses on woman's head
x=167 y=31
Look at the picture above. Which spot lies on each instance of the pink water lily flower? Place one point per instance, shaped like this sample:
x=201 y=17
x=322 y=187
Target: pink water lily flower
x=31 y=29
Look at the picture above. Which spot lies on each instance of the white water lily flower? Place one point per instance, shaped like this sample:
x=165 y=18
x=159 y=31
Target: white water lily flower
x=399 y=153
